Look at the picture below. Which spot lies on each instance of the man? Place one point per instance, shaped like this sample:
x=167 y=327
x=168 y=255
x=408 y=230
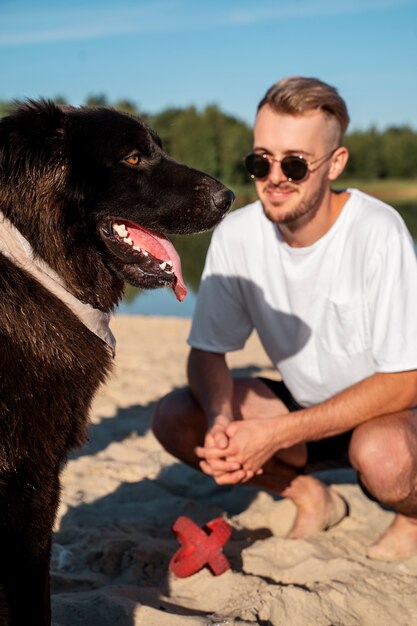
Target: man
x=328 y=280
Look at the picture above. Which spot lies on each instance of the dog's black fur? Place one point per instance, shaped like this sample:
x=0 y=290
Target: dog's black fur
x=66 y=174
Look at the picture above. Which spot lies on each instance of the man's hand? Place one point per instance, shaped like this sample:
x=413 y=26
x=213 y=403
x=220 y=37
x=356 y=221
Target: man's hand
x=216 y=434
x=252 y=443
x=212 y=454
x=234 y=452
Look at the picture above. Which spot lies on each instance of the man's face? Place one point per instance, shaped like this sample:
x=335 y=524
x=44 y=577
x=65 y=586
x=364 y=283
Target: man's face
x=278 y=135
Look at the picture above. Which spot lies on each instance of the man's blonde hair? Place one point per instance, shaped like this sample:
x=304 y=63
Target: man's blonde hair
x=296 y=95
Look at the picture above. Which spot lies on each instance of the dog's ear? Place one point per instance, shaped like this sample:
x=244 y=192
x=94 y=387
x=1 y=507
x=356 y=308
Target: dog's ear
x=32 y=128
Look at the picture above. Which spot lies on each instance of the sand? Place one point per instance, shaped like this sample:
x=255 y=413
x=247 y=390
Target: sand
x=121 y=494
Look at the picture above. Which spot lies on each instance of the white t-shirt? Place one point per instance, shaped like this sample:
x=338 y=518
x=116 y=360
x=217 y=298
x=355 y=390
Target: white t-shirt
x=329 y=314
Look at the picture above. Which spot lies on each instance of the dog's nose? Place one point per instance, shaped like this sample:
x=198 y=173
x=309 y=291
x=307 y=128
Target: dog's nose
x=223 y=199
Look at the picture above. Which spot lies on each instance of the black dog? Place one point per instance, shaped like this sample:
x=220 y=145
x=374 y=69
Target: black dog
x=89 y=193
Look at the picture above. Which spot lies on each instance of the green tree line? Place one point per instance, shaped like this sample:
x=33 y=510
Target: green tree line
x=215 y=142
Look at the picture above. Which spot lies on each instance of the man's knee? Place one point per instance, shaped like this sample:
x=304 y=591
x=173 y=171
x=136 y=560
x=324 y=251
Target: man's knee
x=162 y=415
x=383 y=452
x=178 y=421
x=168 y=411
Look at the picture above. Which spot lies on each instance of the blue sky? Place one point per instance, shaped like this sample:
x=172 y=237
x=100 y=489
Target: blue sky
x=175 y=53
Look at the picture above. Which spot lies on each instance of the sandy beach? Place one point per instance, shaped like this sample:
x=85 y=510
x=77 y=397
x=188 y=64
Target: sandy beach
x=121 y=494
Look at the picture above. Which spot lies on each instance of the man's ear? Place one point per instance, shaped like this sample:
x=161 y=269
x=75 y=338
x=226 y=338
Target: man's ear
x=338 y=162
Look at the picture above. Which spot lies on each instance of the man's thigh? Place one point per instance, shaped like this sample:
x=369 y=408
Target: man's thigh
x=329 y=453
x=255 y=399
x=260 y=398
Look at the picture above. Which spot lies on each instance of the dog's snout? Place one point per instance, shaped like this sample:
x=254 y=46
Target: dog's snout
x=223 y=199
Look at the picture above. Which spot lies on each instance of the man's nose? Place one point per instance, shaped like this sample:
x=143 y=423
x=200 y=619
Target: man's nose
x=276 y=175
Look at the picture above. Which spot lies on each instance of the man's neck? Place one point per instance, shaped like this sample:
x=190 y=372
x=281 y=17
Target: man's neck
x=311 y=227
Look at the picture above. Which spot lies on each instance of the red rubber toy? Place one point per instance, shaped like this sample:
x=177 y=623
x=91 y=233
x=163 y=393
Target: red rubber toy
x=200 y=547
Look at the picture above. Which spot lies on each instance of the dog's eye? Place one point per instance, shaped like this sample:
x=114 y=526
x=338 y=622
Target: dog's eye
x=133 y=159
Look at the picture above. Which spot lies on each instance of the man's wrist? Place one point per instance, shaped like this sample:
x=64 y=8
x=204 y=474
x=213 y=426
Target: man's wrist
x=286 y=430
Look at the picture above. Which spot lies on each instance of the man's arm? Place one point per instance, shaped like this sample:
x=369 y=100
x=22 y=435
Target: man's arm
x=252 y=442
x=211 y=383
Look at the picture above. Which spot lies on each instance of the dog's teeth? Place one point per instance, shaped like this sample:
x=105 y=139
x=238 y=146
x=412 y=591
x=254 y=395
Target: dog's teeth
x=170 y=263
x=128 y=240
x=137 y=248
x=120 y=229
x=162 y=265
x=145 y=253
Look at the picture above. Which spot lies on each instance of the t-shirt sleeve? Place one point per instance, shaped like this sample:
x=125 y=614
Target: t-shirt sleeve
x=221 y=322
x=392 y=297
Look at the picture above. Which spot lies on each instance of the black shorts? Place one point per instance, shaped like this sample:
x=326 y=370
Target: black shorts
x=329 y=453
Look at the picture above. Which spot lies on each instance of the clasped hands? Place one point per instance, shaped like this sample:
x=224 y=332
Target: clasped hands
x=235 y=451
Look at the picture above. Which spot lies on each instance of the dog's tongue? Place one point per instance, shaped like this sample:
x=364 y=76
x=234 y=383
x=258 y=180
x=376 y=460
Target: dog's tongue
x=161 y=248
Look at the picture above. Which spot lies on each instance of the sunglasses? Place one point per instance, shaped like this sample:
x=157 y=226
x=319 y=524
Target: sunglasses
x=294 y=167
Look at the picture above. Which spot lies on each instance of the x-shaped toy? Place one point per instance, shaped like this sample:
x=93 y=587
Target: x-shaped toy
x=200 y=547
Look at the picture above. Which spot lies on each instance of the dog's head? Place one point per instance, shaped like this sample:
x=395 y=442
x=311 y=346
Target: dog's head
x=95 y=194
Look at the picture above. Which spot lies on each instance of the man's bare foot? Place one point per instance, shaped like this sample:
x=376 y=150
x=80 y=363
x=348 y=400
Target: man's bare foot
x=398 y=542
x=318 y=507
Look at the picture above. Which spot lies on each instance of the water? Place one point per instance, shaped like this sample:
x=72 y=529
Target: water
x=159 y=302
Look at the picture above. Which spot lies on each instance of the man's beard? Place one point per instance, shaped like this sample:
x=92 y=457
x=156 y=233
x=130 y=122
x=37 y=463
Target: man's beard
x=307 y=206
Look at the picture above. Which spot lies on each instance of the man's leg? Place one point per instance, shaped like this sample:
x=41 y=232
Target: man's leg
x=180 y=425
x=384 y=452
